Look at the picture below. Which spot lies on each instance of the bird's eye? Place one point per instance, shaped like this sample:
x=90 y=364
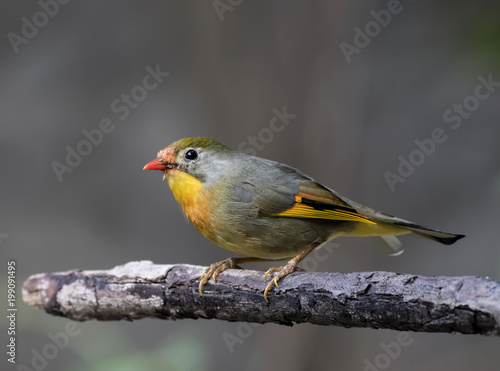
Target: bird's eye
x=191 y=155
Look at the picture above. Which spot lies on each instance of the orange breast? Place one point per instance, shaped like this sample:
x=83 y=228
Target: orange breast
x=189 y=192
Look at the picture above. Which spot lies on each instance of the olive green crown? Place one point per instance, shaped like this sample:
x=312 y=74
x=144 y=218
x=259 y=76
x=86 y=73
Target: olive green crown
x=200 y=142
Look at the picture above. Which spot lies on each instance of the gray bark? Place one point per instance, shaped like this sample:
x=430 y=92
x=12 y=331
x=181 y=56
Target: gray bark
x=468 y=305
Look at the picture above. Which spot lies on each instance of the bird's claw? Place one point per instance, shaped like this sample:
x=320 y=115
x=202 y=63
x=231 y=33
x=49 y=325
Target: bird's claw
x=214 y=270
x=217 y=268
x=280 y=273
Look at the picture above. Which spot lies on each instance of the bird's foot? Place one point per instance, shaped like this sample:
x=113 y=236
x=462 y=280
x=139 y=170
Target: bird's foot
x=280 y=273
x=215 y=269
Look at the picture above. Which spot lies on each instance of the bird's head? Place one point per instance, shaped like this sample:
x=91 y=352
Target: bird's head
x=197 y=156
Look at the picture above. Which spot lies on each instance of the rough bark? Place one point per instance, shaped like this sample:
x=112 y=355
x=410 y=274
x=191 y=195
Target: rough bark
x=468 y=305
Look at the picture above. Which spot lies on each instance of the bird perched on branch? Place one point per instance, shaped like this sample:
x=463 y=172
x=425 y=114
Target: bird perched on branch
x=266 y=210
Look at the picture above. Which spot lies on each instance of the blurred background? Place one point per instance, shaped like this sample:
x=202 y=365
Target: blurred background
x=364 y=88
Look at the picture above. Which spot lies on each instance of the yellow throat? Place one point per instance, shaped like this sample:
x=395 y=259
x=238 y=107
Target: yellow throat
x=189 y=193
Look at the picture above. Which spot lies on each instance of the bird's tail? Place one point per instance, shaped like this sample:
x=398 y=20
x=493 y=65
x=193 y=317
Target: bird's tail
x=392 y=245
x=433 y=234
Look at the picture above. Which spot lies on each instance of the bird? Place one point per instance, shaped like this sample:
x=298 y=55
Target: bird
x=266 y=210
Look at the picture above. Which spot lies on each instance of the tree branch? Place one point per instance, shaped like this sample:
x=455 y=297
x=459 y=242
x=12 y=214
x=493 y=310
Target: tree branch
x=468 y=305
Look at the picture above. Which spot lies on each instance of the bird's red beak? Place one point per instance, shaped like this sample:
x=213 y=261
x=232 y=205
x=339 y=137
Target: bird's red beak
x=155 y=165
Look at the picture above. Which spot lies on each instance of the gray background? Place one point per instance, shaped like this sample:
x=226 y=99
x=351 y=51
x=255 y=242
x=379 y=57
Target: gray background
x=226 y=76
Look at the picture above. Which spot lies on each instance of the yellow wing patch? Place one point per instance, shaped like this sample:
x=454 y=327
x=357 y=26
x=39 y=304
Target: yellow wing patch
x=306 y=208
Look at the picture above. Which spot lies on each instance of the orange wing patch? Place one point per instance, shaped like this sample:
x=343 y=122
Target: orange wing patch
x=307 y=208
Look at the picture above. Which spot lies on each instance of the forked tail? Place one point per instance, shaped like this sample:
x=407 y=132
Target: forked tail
x=433 y=234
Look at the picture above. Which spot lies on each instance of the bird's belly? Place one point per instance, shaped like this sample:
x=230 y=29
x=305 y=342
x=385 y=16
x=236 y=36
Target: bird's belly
x=273 y=237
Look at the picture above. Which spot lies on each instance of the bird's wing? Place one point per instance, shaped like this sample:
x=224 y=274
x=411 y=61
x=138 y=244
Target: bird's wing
x=286 y=192
x=316 y=201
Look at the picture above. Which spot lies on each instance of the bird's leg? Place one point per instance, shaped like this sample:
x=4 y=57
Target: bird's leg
x=288 y=268
x=230 y=263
